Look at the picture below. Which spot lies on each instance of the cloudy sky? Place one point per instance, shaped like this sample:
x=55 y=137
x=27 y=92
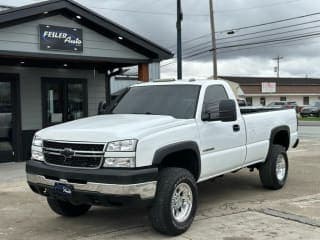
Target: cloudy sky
x=156 y=20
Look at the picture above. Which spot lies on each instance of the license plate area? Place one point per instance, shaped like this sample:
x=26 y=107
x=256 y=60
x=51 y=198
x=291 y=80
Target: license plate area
x=63 y=189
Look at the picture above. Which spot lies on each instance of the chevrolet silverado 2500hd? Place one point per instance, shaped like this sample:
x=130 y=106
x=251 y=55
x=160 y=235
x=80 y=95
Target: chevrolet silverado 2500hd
x=159 y=140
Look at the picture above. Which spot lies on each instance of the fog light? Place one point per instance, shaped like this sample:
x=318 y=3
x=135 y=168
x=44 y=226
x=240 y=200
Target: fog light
x=38 y=156
x=120 y=162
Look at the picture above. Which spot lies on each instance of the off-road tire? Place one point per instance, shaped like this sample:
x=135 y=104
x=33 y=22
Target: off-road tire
x=67 y=209
x=267 y=170
x=160 y=213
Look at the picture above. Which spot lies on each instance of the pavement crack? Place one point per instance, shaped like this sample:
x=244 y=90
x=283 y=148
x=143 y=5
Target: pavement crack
x=288 y=216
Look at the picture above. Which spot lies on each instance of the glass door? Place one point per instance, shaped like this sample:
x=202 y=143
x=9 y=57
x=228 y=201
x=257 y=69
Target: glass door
x=6 y=122
x=64 y=100
x=75 y=100
x=54 y=102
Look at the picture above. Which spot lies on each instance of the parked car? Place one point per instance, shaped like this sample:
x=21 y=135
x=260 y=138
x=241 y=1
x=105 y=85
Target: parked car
x=311 y=111
x=284 y=104
x=160 y=140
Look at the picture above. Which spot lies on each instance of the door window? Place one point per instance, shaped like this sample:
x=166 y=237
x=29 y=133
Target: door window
x=213 y=96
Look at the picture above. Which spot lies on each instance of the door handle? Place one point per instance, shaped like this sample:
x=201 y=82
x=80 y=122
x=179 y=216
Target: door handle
x=236 y=128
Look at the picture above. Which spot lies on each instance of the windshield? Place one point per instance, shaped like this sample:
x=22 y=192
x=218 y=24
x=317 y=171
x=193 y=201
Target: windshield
x=178 y=101
x=316 y=104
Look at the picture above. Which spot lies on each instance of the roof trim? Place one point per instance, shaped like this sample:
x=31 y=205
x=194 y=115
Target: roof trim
x=36 y=10
x=254 y=81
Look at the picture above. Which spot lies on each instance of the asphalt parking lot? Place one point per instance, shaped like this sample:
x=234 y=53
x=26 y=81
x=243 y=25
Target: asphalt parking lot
x=234 y=207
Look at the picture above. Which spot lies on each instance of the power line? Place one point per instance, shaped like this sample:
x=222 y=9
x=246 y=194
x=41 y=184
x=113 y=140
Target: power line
x=193 y=14
x=261 y=44
x=254 y=26
x=150 y=12
x=205 y=45
x=267 y=41
x=272 y=22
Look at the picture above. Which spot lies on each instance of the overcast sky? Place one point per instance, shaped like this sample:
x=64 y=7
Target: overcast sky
x=155 y=19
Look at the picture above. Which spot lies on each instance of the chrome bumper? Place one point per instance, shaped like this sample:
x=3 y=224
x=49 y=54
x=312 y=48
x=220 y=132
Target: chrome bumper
x=145 y=190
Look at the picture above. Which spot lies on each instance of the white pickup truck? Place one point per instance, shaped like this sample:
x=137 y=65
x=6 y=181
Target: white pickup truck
x=159 y=140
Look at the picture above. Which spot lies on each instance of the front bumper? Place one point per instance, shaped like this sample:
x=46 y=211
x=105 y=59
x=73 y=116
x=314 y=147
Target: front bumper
x=138 y=183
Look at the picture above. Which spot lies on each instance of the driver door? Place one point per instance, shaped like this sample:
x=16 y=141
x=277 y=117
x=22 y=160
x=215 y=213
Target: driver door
x=222 y=143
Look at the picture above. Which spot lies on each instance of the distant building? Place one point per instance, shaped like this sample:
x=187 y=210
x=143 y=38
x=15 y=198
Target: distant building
x=264 y=90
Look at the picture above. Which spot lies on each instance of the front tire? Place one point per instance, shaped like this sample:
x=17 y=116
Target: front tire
x=274 y=172
x=67 y=209
x=175 y=204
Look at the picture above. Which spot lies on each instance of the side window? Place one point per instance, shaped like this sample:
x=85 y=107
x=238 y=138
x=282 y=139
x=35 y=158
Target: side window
x=213 y=96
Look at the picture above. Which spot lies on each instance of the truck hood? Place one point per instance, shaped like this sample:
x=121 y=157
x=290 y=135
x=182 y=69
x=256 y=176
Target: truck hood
x=106 y=128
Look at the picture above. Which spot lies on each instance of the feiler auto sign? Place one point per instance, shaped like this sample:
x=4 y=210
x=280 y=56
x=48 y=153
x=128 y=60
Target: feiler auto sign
x=60 y=38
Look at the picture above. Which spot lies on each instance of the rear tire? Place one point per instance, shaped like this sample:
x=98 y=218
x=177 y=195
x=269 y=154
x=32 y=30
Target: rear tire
x=175 y=204
x=274 y=172
x=67 y=209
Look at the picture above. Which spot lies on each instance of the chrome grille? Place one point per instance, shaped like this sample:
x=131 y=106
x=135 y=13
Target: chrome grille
x=76 y=155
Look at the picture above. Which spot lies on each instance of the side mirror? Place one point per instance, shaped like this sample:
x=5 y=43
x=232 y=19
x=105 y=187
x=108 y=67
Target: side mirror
x=102 y=108
x=227 y=112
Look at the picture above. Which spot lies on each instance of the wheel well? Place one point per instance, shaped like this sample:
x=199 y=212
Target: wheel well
x=186 y=159
x=282 y=138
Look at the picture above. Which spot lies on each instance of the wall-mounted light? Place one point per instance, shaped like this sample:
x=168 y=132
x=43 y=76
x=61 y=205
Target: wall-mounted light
x=120 y=38
x=45 y=13
x=79 y=17
x=22 y=62
x=65 y=65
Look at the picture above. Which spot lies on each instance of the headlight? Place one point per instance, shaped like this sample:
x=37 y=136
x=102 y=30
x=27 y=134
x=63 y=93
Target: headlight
x=122 y=146
x=122 y=162
x=37 y=155
x=37 y=141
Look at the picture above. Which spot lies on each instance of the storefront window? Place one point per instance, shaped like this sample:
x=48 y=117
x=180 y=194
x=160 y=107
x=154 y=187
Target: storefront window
x=249 y=101
x=54 y=103
x=283 y=99
x=263 y=101
x=75 y=101
x=65 y=100
x=6 y=146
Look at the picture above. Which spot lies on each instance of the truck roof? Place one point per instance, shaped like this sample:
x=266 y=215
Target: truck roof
x=166 y=82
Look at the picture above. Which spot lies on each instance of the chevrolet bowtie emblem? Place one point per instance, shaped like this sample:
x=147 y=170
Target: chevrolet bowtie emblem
x=67 y=153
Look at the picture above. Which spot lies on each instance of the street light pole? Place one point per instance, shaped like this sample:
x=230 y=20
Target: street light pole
x=214 y=44
x=179 y=43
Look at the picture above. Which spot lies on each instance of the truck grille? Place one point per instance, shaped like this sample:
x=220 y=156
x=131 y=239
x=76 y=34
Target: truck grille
x=76 y=155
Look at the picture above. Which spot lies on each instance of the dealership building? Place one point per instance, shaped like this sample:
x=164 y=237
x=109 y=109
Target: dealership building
x=263 y=90
x=57 y=59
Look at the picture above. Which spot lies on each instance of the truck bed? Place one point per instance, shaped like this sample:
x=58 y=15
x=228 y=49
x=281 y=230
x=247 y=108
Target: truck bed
x=250 y=110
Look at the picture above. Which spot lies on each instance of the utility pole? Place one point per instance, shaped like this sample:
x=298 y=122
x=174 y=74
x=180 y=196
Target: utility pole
x=214 y=44
x=278 y=65
x=179 y=43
